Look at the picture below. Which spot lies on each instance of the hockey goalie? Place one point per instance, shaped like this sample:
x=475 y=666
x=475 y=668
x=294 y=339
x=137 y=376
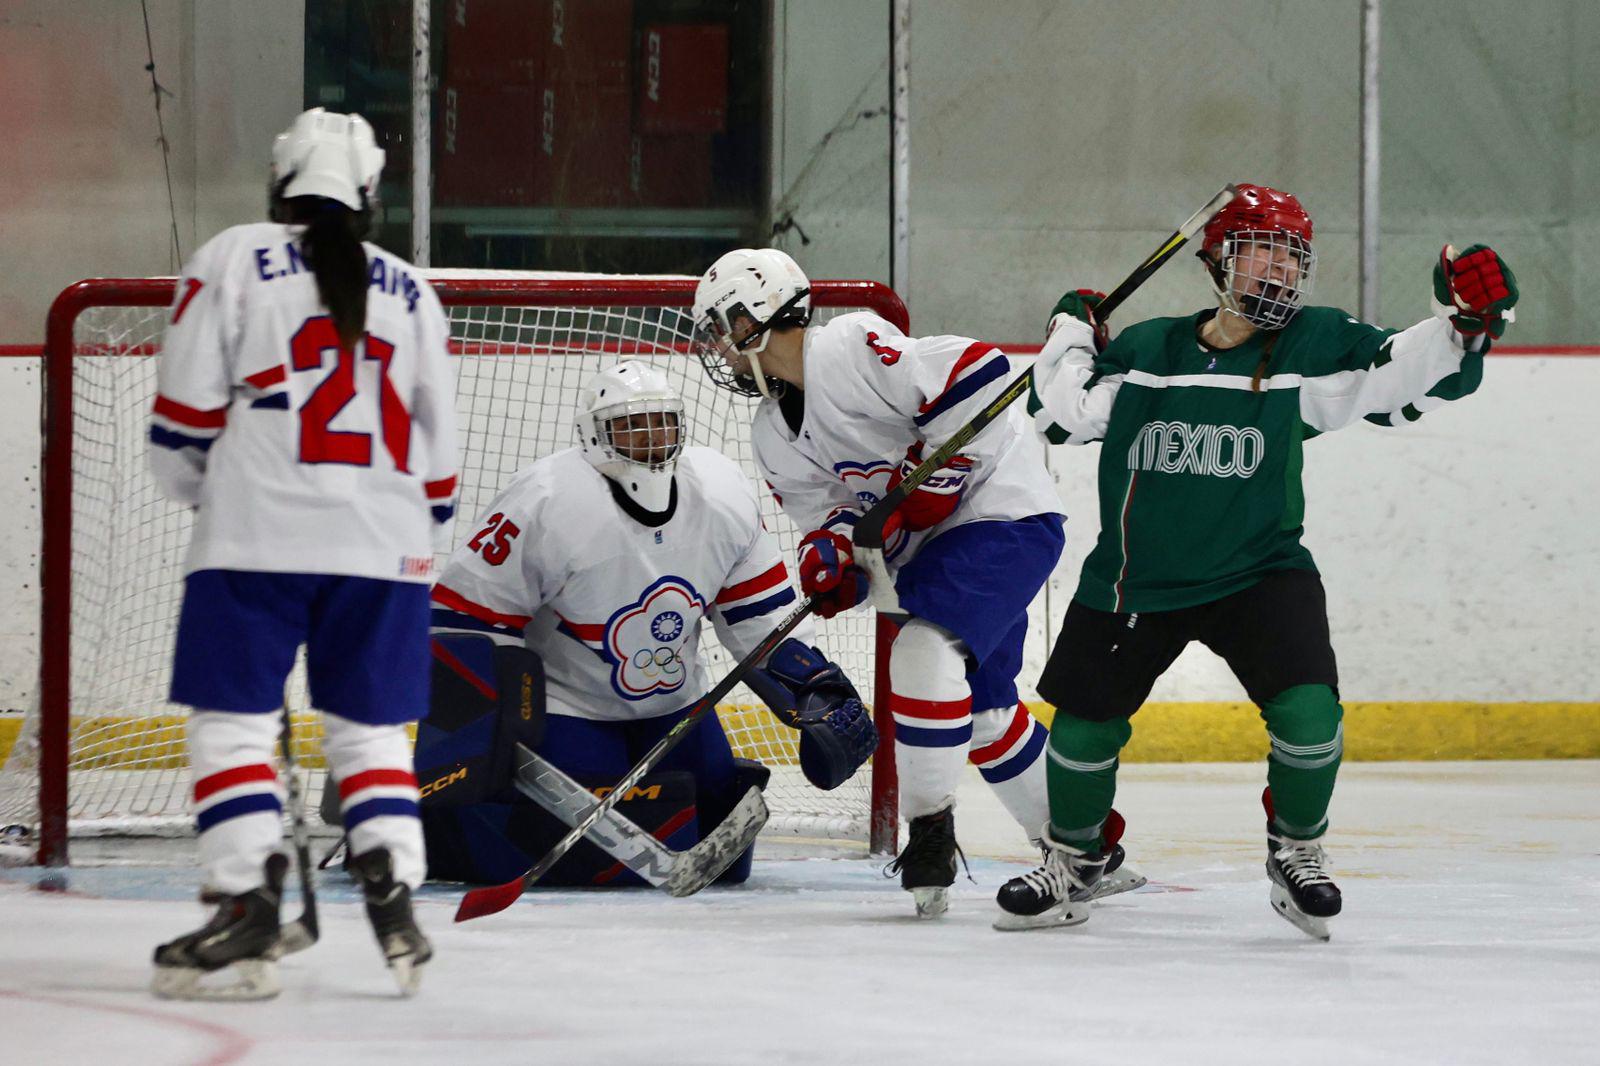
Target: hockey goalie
x=566 y=636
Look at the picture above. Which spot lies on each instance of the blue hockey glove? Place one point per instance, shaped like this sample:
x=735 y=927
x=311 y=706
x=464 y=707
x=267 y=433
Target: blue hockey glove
x=811 y=694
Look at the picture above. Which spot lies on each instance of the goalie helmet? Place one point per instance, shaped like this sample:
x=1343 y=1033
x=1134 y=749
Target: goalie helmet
x=328 y=155
x=1258 y=252
x=743 y=297
x=630 y=428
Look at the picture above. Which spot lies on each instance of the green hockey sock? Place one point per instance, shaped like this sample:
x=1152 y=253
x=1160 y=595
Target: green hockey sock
x=1305 y=726
x=1081 y=768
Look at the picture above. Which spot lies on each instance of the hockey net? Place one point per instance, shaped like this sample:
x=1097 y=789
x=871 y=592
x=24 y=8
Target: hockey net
x=102 y=752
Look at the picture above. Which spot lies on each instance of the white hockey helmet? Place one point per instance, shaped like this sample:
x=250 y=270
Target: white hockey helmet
x=631 y=429
x=330 y=155
x=739 y=301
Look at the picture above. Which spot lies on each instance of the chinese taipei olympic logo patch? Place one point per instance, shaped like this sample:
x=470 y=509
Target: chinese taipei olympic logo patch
x=644 y=641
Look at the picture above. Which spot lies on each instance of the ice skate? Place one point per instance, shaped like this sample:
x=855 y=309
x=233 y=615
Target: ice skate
x=1302 y=891
x=240 y=941
x=927 y=864
x=1060 y=891
x=404 y=947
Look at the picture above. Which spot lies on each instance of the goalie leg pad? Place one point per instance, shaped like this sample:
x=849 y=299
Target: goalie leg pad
x=487 y=698
x=491 y=843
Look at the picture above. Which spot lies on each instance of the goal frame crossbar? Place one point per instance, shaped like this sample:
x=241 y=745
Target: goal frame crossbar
x=456 y=289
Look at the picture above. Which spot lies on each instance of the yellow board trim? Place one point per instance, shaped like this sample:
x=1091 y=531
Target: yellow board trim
x=1373 y=732
x=1162 y=732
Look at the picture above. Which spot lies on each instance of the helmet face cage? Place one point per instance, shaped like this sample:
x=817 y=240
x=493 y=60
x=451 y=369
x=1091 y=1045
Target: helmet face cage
x=714 y=341
x=1266 y=275
x=644 y=433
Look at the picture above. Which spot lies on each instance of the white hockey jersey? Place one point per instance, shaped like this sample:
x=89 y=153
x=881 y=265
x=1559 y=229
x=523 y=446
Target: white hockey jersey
x=303 y=457
x=870 y=393
x=611 y=605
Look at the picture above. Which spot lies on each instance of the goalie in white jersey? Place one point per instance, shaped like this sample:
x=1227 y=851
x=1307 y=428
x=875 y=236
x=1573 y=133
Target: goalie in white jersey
x=605 y=560
x=304 y=410
x=848 y=408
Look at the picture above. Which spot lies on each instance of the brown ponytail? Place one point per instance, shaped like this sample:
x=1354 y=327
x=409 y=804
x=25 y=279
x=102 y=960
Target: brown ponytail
x=1266 y=357
x=332 y=246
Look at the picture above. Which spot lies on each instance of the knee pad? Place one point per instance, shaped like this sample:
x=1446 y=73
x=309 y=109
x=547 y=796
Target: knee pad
x=928 y=662
x=1306 y=726
x=1079 y=744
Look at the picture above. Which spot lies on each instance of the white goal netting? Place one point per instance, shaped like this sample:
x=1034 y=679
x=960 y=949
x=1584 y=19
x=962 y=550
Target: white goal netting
x=520 y=368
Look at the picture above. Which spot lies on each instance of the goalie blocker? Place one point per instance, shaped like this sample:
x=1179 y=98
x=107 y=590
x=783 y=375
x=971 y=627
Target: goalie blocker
x=488 y=698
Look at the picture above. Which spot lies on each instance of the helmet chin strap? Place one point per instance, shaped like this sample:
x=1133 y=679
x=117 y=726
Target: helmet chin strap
x=754 y=357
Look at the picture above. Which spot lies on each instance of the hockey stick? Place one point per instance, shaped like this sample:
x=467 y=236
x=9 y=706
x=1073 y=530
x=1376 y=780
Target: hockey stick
x=303 y=931
x=681 y=873
x=868 y=538
x=483 y=901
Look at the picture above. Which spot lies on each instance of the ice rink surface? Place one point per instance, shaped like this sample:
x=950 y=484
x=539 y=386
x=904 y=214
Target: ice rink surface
x=1471 y=934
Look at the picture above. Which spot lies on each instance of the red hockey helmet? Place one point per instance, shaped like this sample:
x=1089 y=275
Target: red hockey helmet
x=1258 y=208
x=1258 y=252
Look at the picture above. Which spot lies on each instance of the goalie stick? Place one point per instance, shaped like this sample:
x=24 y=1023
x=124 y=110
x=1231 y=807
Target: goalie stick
x=484 y=901
x=868 y=537
x=681 y=873
x=303 y=931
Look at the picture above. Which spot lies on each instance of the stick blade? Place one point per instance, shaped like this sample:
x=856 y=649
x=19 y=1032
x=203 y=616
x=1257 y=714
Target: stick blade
x=485 y=901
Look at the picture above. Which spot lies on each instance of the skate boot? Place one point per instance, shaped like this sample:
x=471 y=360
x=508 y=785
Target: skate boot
x=1059 y=891
x=240 y=939
x=1302 y=891
x=404 y=947
x=927 y=864
x=1118 y=876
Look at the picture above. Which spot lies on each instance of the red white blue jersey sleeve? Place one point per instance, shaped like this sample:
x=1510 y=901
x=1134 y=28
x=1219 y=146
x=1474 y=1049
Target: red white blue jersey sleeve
x=300 y=455
x=870 y=393
x=614 y=607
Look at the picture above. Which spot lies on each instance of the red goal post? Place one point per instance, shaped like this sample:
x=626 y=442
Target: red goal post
x=527 y=322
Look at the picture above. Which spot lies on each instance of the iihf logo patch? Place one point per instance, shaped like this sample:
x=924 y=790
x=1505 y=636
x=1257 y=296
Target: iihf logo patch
x=658 y=536
x=646 y=640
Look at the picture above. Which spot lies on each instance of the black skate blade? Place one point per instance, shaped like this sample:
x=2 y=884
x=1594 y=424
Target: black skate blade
x=1309 y=924
x=245 y=979
x=1061 y=916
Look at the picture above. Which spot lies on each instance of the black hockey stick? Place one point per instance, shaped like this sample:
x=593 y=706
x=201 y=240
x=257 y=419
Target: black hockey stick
x=868 y=537
x=484 y=901
x=302 y=932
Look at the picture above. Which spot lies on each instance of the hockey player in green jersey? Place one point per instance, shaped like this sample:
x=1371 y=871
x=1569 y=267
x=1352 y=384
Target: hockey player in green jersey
x=1202 y=420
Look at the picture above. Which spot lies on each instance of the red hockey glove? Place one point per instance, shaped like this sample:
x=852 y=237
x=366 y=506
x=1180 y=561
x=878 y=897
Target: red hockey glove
x=1477 y=290
x=936 y=498
x=827 y=569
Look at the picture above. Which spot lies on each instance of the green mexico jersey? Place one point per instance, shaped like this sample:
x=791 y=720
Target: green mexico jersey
x=1200 y=472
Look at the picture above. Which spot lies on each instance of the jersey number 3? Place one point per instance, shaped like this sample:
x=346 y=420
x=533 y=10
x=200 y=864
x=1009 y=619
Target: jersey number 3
x=319 y=444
